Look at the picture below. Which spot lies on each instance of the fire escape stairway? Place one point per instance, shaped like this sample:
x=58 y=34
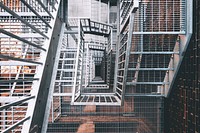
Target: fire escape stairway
x=151 y=42
x=29 y=34
x=95 y=93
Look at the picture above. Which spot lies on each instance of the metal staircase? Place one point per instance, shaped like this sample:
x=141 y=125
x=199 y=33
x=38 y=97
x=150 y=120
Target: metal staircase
x=29 y=36
x=90 y=90
x=149 y=49
x=37 y=60
x=146 y=56
x=124 y=46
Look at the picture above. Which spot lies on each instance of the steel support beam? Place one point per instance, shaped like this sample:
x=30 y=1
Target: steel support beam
x=38 y=107
x=53 y=79
x=128 y=48
x=16 y=102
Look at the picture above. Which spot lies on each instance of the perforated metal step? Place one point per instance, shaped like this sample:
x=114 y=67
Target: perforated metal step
x=98 y=99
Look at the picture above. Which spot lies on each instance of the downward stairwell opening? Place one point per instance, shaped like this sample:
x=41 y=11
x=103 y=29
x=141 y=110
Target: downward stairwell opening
x=108 y=67
x=93 y=64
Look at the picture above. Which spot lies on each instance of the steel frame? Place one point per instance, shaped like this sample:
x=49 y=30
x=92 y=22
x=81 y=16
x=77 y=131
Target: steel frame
x=22 y=62
x=123 y=52
x=94 y=28
x=79 y=65
x=138 y=67
x=146 y=65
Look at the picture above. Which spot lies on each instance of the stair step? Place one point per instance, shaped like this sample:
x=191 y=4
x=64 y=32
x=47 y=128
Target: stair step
x=98 y=99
